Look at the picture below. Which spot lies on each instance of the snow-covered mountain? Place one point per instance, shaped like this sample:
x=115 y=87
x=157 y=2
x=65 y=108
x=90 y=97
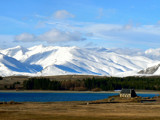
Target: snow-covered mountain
x=54 y=60
x=10 y=66
x=154 y=70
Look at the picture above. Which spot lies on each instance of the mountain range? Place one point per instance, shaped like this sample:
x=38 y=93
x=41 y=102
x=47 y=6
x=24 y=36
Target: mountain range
x=54 y=60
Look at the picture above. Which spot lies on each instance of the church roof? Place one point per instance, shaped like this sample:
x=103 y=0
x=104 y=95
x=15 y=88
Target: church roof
x=126 y=91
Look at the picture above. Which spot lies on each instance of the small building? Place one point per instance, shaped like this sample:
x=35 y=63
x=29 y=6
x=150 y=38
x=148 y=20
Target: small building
x=128 y=93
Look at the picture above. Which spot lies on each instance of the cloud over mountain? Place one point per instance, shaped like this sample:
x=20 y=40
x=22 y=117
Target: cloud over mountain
x=51 y=36
x=25 y=37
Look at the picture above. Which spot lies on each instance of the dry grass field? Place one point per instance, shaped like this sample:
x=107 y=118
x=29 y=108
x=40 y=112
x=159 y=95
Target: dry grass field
x=80 y=111
x=77 y=110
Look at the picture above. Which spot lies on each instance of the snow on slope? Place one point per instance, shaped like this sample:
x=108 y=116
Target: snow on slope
x=15 y=52
x=73 y=60
x=11 y=66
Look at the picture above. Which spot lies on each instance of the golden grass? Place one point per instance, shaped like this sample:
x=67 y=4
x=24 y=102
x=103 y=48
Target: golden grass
x=80 y=111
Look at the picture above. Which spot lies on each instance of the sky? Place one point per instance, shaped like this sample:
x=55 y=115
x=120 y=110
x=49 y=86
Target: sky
x=81 y=23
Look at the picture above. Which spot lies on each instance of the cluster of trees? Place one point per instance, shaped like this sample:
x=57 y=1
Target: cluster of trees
x=13 y=86
x=107 y=83
x=115 y=83
x=1 y=78
x=42 y=84
x=47 y=84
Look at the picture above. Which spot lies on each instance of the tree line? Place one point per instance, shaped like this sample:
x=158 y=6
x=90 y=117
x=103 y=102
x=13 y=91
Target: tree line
x=105 y=84
x=117 y=83
x=42 y=84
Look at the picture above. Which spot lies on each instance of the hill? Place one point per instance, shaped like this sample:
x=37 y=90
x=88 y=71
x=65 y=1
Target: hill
x=54 y=60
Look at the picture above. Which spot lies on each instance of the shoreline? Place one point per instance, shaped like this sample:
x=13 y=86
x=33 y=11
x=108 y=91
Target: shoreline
x=60 y=91
x=54 y=91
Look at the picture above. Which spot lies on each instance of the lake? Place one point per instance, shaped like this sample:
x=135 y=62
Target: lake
x=54 y=97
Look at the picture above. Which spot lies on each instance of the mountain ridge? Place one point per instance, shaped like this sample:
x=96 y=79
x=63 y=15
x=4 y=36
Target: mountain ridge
x=56 y=60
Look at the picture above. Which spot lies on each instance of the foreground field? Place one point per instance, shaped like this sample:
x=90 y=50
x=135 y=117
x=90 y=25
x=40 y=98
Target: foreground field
x=80 y=111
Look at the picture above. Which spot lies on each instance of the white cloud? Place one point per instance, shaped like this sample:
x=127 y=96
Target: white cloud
x=121 y=30
x=158 y=22
x=63 y=14
x=56 y=35
x=100 y=13
x=51 y=36
x=124 y=35
x=128 y=26
x=25 y=37
x=6 y=40
x=105 y=13
x=12 y=20
x=104 y=34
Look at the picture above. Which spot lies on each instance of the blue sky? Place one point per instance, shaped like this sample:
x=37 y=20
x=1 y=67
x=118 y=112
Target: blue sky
x=82 y=23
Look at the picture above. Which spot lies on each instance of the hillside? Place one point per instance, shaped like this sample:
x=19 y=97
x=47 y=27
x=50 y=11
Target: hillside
x=54 y=60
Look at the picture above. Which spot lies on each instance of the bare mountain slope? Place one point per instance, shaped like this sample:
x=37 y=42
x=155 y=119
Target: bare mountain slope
x=151 y=70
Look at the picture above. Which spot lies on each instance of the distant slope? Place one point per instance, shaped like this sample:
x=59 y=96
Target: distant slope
x=55 y=60
x=154 y=70
x=15 y=52
x=10 y=66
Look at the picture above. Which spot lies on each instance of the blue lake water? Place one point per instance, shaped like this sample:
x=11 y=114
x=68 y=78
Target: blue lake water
x=53 y=97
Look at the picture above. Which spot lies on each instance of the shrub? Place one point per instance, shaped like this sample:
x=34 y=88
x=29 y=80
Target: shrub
x=80 y=89
x=96 y=89
x=11 y=102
